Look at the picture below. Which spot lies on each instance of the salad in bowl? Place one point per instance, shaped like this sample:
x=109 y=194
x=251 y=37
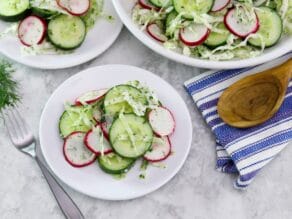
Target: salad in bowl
x=49 y=26
x=116 y=127
x=215 y=29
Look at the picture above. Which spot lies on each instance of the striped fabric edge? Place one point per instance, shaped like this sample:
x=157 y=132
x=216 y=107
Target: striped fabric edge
x=255 y=159
x=264 y=133
x=245 y=178
x=224 y=162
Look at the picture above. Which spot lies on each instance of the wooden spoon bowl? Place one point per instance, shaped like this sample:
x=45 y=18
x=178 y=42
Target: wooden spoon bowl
x=256 y=98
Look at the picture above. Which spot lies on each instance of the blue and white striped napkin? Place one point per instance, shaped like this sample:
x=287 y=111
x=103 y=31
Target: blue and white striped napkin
x=242 y=151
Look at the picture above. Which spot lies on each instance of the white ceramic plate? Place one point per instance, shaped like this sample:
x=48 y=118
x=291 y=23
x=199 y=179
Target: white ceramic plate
x=91 y=180
x=99 y=38
x=124 y=9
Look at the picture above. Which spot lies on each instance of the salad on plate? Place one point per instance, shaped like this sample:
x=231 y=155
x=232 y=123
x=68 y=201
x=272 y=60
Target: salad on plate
x=49 y=26
x=215 y=29
x=116 y=127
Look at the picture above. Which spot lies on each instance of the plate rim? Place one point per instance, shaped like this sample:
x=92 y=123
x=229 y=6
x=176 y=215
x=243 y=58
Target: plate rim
x=81 y=60
x=191 y=61
x=105 y=197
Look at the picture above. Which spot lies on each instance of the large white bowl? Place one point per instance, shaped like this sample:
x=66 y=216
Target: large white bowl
x=124 y=7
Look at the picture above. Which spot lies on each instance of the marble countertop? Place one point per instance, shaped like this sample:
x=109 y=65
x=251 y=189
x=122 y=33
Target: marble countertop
x=197 y=191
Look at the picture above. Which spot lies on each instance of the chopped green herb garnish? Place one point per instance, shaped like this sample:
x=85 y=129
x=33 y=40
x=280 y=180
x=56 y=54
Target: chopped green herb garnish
x=144 y=165
x=143 y=169
x=110 y=18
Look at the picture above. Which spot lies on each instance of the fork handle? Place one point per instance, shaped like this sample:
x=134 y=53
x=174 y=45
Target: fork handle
x=67 y=205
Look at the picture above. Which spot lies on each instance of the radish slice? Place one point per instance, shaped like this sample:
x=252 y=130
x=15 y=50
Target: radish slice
x=147 y=5
x=94 y=142
x=161 y=121
x=239 y=28
x=194 y=34
x=74 y=7
x=219 y=5
x=105 y=126
x=90 y=97
x=32 y=30
x=75 y=152
x=161 y=149
x=155 y=31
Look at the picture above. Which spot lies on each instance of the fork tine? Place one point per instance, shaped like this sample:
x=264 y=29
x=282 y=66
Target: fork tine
x=9 y=124
x=20 y=122
x=16 y=124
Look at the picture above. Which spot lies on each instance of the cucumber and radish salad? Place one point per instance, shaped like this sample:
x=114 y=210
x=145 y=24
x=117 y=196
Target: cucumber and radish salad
x=215 y=29
x=116 y=126
x=60 y=25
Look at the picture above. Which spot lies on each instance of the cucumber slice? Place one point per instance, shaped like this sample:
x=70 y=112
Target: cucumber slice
x=79 y=120
x=13 y=10
x=131 y=136
x=190 y=6
x=44 y=13
x=161 y=3
x=66 y=32
x=170 y=17
x=114 y=103
x=114 y=164
x=271 y=27
x=217 y=39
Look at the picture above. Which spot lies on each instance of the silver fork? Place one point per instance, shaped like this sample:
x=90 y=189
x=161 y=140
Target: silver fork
x=23 y=139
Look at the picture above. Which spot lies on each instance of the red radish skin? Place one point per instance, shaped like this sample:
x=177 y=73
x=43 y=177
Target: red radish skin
x=78 y=102
x=163 y=157
x=227 y=22
x=155 y=32
x=105 y=130
x=89 y=146
x=194 y=42
x=219 y=5
x=69 y=161
x=147 y=5
x=158 y=132
x=22 y=32
x=76 y=4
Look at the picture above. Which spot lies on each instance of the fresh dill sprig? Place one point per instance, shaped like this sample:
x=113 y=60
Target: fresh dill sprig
x=8 y=87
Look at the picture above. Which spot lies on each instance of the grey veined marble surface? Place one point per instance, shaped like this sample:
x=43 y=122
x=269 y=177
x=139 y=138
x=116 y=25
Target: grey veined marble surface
x=197 y=191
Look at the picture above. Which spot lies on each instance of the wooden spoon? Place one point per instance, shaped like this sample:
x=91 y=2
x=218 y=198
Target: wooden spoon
x=256 y=98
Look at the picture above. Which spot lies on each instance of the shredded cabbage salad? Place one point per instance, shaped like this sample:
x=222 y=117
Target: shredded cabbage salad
x=46 y=48
x=82 y=113
x=284 y=8
x=234 y=48
x=138 y=108
x=120 y=135
x=47 y=5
